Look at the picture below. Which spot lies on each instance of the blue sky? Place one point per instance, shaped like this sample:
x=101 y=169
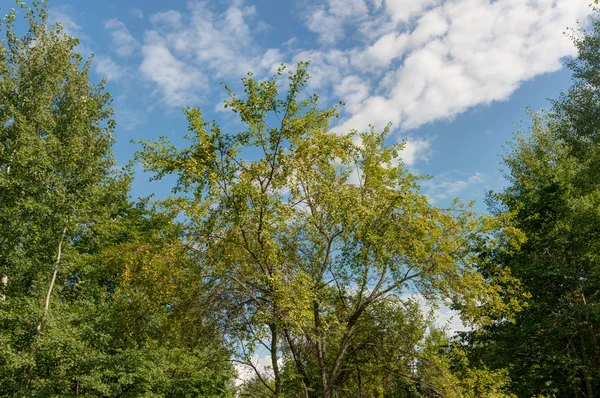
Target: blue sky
x=452 y=76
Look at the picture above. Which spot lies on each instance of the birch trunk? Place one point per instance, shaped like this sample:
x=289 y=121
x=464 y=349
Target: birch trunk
x=4 y=283
x=54 y=272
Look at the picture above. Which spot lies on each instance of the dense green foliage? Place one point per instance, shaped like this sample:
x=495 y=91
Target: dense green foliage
x=554 y=191
x=99 y=299
x=287 y=241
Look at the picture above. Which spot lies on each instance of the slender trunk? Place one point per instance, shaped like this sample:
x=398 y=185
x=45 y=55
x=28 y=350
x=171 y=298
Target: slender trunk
x=274 y=364
x=54 y=272
x=321 y=349
x=341 y=353
x=4 y=283
x=27 y=377
x=299 y=366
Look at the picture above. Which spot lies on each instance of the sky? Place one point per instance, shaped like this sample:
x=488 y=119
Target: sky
x=452 y=76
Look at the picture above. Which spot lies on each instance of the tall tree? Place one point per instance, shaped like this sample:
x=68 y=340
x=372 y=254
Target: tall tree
x=553 y=171
x=55 y=156
x=98 y=298
x=304 y=256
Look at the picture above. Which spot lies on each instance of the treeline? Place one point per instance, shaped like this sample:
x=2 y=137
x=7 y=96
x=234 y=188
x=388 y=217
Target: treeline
x=266 y=252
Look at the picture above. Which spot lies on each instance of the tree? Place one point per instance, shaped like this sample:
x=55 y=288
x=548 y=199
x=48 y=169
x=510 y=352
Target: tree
x=55 y=156
x=552 y=349
x=99 y=300
x=304 y=257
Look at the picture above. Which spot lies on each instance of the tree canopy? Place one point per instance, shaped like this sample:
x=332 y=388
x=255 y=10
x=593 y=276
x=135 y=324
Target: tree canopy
x=305 y=259
x=287 y=241
x=552 y=169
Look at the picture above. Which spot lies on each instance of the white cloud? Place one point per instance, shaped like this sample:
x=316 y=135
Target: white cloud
x=409 y=62
x=403 y=10
x=449 y=185
x=326 y=26
x=443 y=317
x=353 y=90
x=107 y=68
x=328 y=20
x=454 y=55
x=184 y=49
x=124 y=43
x=247 y=373
x=415 y=149
x=177 y=81
x=348 y=8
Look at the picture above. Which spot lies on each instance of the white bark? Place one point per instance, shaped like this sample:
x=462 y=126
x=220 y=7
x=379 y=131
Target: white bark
x=4 y=283
x=54 y=272
x=56 y=264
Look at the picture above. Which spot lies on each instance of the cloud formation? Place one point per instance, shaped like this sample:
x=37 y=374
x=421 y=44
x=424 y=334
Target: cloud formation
x=415 y=149
x=123 y=42
x=107 y=68
x=181 y=53
x=408 y=62
x=450 y=185
x=459 y=54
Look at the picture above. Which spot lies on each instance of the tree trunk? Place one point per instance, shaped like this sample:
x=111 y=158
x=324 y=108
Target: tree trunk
x=4 y=283
x=54 y=272
x=274 y=364
x=306 y=384
x=321 y=350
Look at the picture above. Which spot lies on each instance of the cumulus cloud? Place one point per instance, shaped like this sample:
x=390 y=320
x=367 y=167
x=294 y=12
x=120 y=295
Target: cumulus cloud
x=177 y=81
x=353 y=90
x=443 y=317
x=326 y=26
x=464 y=53
x=408 y=62
x=184 y=49
x=261 y=363
x=328 y=19
x=403 y=10
x=124 y=43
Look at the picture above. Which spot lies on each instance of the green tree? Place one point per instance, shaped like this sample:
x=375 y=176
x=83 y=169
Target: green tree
x=55 y=155
x=553 y=172
x=99 y=298
x=305 y=256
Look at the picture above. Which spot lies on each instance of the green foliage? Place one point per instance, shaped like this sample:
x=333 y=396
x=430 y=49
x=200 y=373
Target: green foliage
x=297 y=242
x=55 y=155
x=305 y=258
x=552 y=348
x=100 y=300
